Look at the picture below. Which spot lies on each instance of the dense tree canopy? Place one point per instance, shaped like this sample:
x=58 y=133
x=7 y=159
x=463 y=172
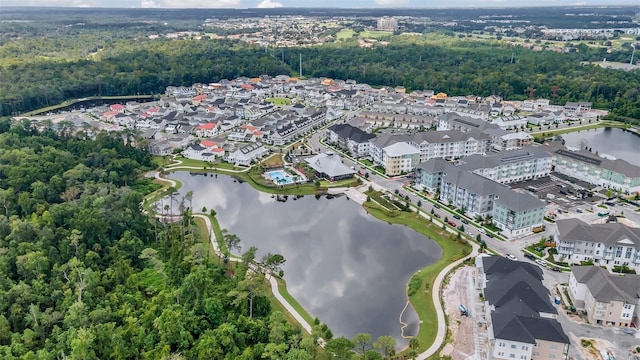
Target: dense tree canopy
x=38 y=71
x=88 y=275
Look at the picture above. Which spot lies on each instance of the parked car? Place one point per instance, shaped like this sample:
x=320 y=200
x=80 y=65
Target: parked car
x=436 y=206
x=511 y=257
x=529 y=256
x=541 y=262
x=490 y=235
x=465 y=221
x=456 y=216
x=437 y=215
x=452 y=223
x=555 y=268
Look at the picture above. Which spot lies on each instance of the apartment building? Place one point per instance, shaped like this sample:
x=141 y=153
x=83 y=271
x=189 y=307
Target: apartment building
x=506 y=167
x=608 y=245
x=348 y=137
x=521 y=319
x=584 y=165
x=450 y=144
x=608 y=299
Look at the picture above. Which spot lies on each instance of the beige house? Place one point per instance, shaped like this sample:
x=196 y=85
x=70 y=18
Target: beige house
x=608 y=299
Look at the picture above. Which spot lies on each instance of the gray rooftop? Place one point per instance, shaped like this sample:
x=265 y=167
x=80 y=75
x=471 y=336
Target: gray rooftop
x=619 y=166
x=329 y=164
x=605 y=286
x=477 y=161
x=610 y=234
x=517 y=201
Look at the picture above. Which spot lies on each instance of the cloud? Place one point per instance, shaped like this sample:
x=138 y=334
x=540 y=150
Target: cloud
x=190 y=4
x=268 y=4
x=149 y=4
x=391 y=2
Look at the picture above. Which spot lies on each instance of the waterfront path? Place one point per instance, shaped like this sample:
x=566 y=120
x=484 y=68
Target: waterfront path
x=272 y=280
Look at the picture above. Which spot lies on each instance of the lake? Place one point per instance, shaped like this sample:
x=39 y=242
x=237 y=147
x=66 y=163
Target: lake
x=615 y=142
x=342 y=265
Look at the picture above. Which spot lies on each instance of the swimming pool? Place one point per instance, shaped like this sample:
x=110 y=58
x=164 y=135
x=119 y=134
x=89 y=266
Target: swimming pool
x=280 y=177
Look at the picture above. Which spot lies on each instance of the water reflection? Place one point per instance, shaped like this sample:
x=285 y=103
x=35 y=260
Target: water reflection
x=344 y=266
x=615 y=142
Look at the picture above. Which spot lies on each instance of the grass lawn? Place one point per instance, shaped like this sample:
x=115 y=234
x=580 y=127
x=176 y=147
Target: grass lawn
x=452 y=250
x=282 y=287
x=204 y=165
x=274 y=160
x=354 y=181
x=375 y=34
x=366 y=162
x=278 y=101
x=345 y=34
x=585 y=126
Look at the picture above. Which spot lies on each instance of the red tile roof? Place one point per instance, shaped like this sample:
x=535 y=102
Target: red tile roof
x=206 y=126
x=116 y=107
x=208 y=143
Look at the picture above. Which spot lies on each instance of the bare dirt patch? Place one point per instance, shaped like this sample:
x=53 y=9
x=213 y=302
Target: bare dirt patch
x=592 y=351
x=458 y=291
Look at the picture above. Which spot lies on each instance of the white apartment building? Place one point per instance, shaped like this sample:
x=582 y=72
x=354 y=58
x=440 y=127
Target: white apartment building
x=610 y=245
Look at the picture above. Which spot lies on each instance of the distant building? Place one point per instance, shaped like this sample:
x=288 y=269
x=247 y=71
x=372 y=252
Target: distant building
x=607 y=299
x=386 y=23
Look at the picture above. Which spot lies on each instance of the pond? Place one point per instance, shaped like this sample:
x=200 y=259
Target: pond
x=614 y=142
x=344 y=266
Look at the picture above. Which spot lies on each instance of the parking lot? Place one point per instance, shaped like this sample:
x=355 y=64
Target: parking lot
x=561 y=194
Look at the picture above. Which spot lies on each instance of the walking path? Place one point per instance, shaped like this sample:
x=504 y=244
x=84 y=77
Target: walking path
x=272 y=280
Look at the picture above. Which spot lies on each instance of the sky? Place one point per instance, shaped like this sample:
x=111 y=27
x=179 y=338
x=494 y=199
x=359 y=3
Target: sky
x=311 y=3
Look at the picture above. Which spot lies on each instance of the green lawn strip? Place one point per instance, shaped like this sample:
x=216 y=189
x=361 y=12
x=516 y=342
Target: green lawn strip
x=574 y=128
x=278 y=101
x=276 y=306
x=340 y=183
x=282 y=287
x=452 y=250
x=159 y=193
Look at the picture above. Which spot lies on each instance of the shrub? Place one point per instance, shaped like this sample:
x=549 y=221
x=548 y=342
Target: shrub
x=414 y=285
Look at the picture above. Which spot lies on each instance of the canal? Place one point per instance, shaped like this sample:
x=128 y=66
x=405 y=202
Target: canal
x=614 y=142
x=343 y=265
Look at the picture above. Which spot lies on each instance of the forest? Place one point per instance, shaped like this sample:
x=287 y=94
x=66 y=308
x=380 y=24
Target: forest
x=88 y=275
x=79 y=53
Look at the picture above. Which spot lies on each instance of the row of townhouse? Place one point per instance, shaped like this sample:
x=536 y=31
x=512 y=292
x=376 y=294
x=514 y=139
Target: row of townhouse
x=521 y=319
x=609 y=245
x=586 y=166
x=606 y=298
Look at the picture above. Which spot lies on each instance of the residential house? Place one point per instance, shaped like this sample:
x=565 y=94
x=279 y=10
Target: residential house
x=610 y=245
x=207 y=130
x=330 y=166
x=246 y=154
x=520 y=317
x=606 y=298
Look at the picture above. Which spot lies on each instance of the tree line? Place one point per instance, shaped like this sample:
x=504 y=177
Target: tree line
x=455 y=66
